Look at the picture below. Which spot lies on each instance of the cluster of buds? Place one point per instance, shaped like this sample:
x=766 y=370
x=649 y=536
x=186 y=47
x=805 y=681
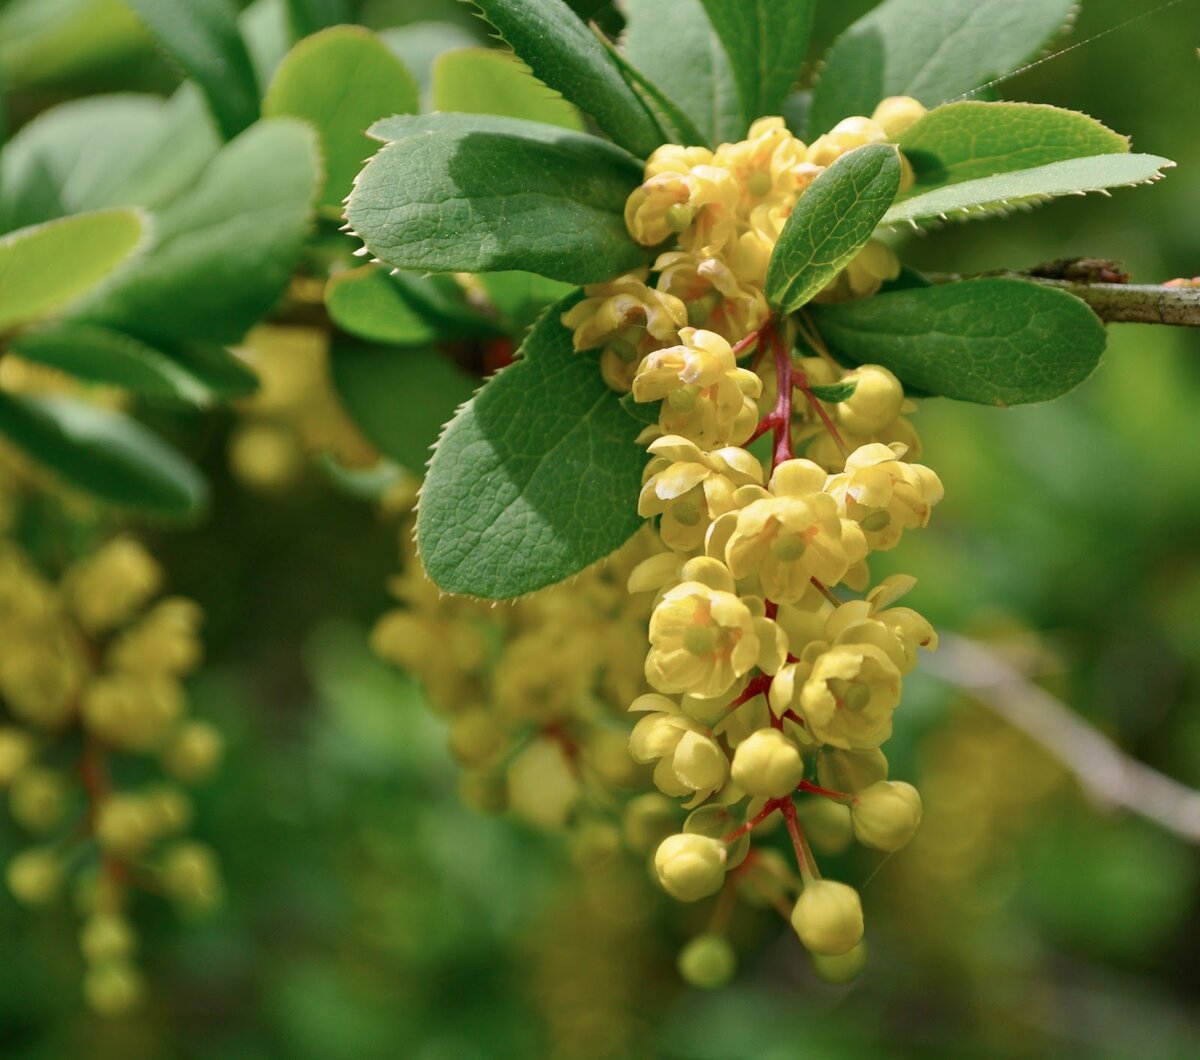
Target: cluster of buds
x=90 y=677
x=770 y=690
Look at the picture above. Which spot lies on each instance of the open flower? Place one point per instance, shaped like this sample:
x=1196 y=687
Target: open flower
x=885 y=495
x=850 y=695
x=689 y=759
x=610 y=309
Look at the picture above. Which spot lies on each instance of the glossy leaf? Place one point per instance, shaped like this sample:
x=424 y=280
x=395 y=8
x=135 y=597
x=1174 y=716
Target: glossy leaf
x=831 y=223
x=376 y=85
x=995 y=341
x=535 y=478
x=932 y=51
x=990 y=195
x=101 y=453
x=475 y=193
x=46 y=267
x=564 y=54
x=202 y=37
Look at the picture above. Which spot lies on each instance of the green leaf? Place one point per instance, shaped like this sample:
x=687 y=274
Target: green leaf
x=932 y=51
x=45 y=267
x=364 y=302
x=834 y=393
x=310 y=16
x=703 y=86
x=202 y=37
x=102 y=453
x=226 y=249
x=520 y=297
x=475 y=193
x=563 y=53
x=995 y=341
x=374 y=84
x=970 y=140
x=100 y=151
x=217 y=368
x=418 y=45
x=536 y=477
x=487 y=81
x=101 y=355
x=265 y=29
x=989 y=195
x=831 y=223
x=767 y=42
x=400 y=399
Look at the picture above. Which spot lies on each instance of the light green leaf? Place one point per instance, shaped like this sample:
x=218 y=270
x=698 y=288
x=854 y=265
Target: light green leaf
x=970 y=140
x=767 y=42
x=932 y=51
x=341 y=80
x=536 y=477
x=703 y=86
x=100 y=151
x=831 y=223
x=989 y=195
x=418 y=45
x=268 y=36
x=400 y=399
x=202 y=37
x=226 y=249
x=364 y=302
x=101 y=355
x=46 y=267
x=563 y=53
x=475 y=193
x=101 y=453
x=992 y=341
x=487 y=81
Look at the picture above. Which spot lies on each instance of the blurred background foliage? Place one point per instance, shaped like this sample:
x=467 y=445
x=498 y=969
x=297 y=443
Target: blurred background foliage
x=371 y=914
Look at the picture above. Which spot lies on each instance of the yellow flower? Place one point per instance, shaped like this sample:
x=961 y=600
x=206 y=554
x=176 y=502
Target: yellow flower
x=846 y=135
x=673 y=158
x=689 y=760
x=898 y=631
x=717 y=297
x=621 y=304
x=670 y=202
x=897 y=114
x=864 y=275
x=850 y=695
x=793 y=536
x=885 y=495
x=689 y=487
x=110 y=585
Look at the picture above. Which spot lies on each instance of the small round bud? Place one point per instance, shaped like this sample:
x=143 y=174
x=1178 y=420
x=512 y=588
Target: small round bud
x=648 y=820
x=690 y=867
x=266 y=456
x=16 y=752
x=679 y=216
x=112 y=988
x=38 y=799
x=875 y=402
x=850 y=771
x=475 y=738
x=842 y=968
x=886 y=814
x=828 y=917
x=125 y=824
x=169 y=807
x=708 y=961
x=194 y=752
x=190 y=876
x=767 y=764
x=35 y=876
x=542 y=786
x=483 y=791
x=897 y=114
x=106 y=937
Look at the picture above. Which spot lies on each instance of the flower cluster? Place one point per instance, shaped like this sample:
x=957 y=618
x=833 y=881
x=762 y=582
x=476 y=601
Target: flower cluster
x=90 y=676
x=767 y=684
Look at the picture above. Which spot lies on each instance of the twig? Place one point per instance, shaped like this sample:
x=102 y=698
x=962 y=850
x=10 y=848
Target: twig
x=1116 y=303
x=1108 y=776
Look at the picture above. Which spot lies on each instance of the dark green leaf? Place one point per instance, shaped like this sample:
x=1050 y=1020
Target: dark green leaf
x=703 y=86
x=475 y=193
x=400 y=399
x=992 y=341
x=562 y=52
x=536 y=478
x=519 y=298
x=101 y=355
x=932 y=51
x=102 y=453
x=487 y=81
x=309 y=16
x=965 y=141
x=202 y=37
x=767 y=42
x=216 y=367
x=226 y=249
x=831 y=223
x=374 y=84
x=989 y=195
x=45 y=267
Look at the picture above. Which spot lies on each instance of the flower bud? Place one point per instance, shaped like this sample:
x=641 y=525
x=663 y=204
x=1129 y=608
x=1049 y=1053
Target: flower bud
x=767 y=764
x=708 y=961
x=542 y=785
x=190 y=876
x=828 y=917
x=38 y=799
x=843 y=968
x=897 y=114
x=112 y=988
x=648 y=820
x=34 y=876
x=886 y=814
x=476 y=738
x=194 y=752
x=125 y=824
x=16 y=751
x=106 y=937
x=690 y=867
x=850 y=771
x=875 y=402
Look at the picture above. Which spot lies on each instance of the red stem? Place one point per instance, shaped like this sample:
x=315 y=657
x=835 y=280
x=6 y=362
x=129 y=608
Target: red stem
x=815 y=789
x=804 y=858
x=783 y=403
x=754 y=821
